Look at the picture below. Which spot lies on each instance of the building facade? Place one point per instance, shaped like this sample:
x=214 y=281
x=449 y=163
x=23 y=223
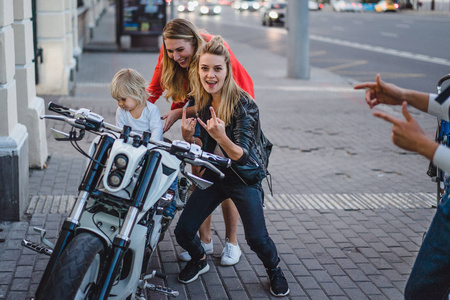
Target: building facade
x=40 y=46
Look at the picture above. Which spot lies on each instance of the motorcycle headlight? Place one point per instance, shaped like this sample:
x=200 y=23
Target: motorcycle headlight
x=115 y=178
x=121 y=161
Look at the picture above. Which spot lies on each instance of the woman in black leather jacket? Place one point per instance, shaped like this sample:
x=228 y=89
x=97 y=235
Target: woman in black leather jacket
x=229 y=118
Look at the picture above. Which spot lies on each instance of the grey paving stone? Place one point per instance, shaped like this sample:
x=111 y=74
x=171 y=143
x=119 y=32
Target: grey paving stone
x=331 y=289
x=355 y=294
x=238 y=295
x=392 y=293
x=20 y=284
x=17 y=295
x=216 y=291
x=23 y=271
x=8 y=266
x=257 y=290
x=308 y=283
x=369 y=289
x=344 y=282
x=3 y=290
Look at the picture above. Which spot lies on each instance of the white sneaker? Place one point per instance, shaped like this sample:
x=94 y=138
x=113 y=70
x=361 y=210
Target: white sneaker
x=230 y=254
x=184 y=256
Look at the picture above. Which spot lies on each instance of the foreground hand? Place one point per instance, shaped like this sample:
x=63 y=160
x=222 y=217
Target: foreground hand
x=381 y=92
x=408 y=135
x=214 y=126
x=171 y=117
x=187 y=127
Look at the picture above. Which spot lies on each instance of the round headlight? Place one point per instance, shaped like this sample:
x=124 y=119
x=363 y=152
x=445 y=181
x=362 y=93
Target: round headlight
x=121 y=161
x=115 y=178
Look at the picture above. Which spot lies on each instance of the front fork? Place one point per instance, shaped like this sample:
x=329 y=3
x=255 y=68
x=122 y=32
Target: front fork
x=90 y=181
x=122 y=240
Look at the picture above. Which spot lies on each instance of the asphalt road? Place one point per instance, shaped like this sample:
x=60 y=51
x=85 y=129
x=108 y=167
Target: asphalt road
x=406 y=48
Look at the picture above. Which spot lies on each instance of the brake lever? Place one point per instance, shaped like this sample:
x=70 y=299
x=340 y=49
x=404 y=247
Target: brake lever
x=71 y=122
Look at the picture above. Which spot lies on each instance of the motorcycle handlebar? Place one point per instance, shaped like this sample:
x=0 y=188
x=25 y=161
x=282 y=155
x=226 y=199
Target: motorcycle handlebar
x=94 y=122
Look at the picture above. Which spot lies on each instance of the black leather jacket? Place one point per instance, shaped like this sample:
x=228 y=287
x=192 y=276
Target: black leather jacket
x=241 y=131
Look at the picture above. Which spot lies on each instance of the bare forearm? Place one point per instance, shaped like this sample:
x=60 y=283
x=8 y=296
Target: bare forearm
x=233 y=151
x=416 y=99
x=427 y=148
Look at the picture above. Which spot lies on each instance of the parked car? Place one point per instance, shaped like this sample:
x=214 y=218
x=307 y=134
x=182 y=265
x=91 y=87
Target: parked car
x=210 y=9
x=274 y=13
x=386 y=6
x=346 y=5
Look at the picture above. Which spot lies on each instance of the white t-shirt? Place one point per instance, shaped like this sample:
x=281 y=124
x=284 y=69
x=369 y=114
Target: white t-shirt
x=150 y=120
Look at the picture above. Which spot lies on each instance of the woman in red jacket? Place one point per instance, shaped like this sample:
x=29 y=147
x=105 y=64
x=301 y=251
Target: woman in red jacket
x=181 y=40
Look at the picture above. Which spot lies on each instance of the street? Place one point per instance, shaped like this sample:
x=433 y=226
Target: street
x=408 y=50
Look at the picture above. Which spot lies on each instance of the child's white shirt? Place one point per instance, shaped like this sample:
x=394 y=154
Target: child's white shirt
x=150 y=120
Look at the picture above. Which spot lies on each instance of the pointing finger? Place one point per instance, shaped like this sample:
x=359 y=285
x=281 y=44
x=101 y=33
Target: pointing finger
x=405 y=111
x=386 y=117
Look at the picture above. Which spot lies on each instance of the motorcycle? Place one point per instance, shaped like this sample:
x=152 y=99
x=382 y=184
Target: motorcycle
x=105 y=245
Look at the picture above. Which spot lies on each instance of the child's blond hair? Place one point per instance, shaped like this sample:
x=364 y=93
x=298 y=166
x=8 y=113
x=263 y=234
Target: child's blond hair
x=129 y=83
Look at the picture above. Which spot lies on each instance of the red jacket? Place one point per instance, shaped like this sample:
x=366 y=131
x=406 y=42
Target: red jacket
x=240 y=75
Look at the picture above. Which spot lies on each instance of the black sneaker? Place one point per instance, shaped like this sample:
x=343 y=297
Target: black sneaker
x=278 y=284
x=192 y=269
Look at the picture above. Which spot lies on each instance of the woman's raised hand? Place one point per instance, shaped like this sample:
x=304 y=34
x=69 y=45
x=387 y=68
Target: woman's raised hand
x=187 y=126
x=214 y=126
x=381 y=92
x=171 y=117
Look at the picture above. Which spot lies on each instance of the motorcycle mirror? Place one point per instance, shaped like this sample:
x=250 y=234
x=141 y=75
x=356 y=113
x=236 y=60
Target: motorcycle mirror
x=59 y=135
x=198 y=181
x=62 y=136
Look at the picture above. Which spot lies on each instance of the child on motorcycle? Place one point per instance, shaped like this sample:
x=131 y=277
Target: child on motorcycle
x=128 y=87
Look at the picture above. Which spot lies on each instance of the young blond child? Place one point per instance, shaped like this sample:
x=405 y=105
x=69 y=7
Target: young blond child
x=128 y=87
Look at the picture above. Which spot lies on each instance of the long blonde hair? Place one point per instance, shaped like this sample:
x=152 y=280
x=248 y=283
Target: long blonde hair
x=231 y=93
x=129 y=83
x=174 y=78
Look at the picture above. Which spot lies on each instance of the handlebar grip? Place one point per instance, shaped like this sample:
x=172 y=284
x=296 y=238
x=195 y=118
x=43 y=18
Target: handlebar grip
x=218 y=160
x=60 y=109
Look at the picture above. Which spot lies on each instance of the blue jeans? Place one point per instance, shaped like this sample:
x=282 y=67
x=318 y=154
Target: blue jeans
x=430 y=276
x=248 y=201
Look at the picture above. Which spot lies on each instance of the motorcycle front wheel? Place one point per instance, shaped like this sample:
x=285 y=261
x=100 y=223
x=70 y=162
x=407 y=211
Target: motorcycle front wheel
x=78 y=269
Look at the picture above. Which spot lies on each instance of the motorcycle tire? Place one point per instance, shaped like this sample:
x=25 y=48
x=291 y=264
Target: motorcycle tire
x=77 y=270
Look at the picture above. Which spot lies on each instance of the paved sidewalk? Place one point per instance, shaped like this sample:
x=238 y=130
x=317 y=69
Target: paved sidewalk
x=348 y=212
